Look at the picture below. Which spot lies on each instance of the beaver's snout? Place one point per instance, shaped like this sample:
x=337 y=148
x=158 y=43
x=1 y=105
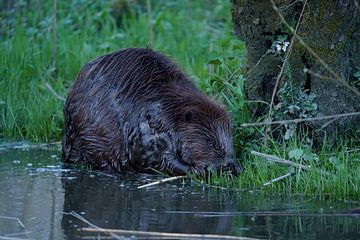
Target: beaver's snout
x=233 y=167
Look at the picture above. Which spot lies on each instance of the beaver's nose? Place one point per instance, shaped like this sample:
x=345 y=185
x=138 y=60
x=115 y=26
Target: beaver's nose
x=233 y=167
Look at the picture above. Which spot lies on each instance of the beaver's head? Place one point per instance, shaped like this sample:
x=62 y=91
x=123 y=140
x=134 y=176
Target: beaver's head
x=205 y=131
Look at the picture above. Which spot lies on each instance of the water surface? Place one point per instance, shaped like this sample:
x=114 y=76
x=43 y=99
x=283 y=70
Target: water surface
x=37 y=194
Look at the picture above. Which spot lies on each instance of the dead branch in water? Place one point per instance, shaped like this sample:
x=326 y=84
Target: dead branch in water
x=165 y=234
x=114 y=232
x=20 y=223
x=162 y=181
x=78 y=216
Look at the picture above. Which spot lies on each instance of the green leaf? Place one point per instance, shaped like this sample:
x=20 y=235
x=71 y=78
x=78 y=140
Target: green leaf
x=309 y=156
x=296 y=154
x=357 y=74
x=215 y=61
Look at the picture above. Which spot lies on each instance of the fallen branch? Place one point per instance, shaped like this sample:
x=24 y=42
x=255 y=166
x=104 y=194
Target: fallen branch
x=289 y=163
x=162 y=181
x=78 y=216
x=114 y=232
x=298 y=120
x=165 y=234
x=20 y=223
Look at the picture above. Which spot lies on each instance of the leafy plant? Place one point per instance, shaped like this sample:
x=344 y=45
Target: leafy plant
x=294 y=103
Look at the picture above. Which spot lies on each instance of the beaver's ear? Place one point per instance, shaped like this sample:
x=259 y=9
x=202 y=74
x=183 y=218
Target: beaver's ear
x=188 y=117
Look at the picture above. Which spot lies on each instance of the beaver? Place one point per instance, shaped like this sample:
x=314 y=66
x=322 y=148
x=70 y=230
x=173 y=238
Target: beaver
x=135 y=110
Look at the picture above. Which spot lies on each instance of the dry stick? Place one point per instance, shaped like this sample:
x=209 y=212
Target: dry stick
x=298 y=120
x=312 y=52
x=112 y=232
x=286 y=57
x=53 y=92
x=162 y=181
x=17 y=220
x=258 y=62
x=257 y=101
x=289 y=163
x=278 y=178
x=78 y=216
x=166 y=234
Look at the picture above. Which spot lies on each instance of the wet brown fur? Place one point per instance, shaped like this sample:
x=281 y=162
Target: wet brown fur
x=134 y=110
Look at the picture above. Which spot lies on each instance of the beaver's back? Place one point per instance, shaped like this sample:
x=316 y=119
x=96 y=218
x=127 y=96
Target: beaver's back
x=107 y=94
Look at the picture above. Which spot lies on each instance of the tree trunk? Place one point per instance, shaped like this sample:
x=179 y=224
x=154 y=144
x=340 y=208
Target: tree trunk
x=332 y=30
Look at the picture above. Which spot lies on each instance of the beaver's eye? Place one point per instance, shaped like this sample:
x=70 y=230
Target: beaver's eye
x=188 y=116
x=210 y=143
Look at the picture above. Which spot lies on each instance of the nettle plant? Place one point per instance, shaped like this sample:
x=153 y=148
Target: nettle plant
x=294 y=103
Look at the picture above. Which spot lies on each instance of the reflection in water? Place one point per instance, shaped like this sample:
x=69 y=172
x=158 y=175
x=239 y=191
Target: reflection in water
x=117 y=203
x=34 y=189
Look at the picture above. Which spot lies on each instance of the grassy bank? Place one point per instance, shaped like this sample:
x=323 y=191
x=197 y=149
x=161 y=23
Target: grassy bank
x=38 y=52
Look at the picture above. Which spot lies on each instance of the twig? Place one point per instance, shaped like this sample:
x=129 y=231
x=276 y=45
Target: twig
x=162 y=181
x=312 y=52
x=278 y=179
x=257 y=101
x=112 y=232
x=266 y=213
x=20 y=223
x=287 y=55
x=298 y=120
x=289 y=163
x=258 y=62
x=165 y=234
x=53 y=92
x=15 y=219
x=78 y=216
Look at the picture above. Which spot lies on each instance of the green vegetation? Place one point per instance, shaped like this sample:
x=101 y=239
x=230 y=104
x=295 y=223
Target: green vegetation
x=198 y=35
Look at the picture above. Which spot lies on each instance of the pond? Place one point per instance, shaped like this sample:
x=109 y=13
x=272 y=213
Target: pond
x=41 y=199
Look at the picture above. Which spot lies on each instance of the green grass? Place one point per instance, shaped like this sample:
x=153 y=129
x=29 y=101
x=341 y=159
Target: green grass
x=198 y=35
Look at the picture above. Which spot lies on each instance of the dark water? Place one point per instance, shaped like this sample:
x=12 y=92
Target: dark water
x=40 y=194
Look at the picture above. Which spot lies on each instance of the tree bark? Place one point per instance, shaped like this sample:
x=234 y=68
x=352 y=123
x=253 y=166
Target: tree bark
x=330 y=28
